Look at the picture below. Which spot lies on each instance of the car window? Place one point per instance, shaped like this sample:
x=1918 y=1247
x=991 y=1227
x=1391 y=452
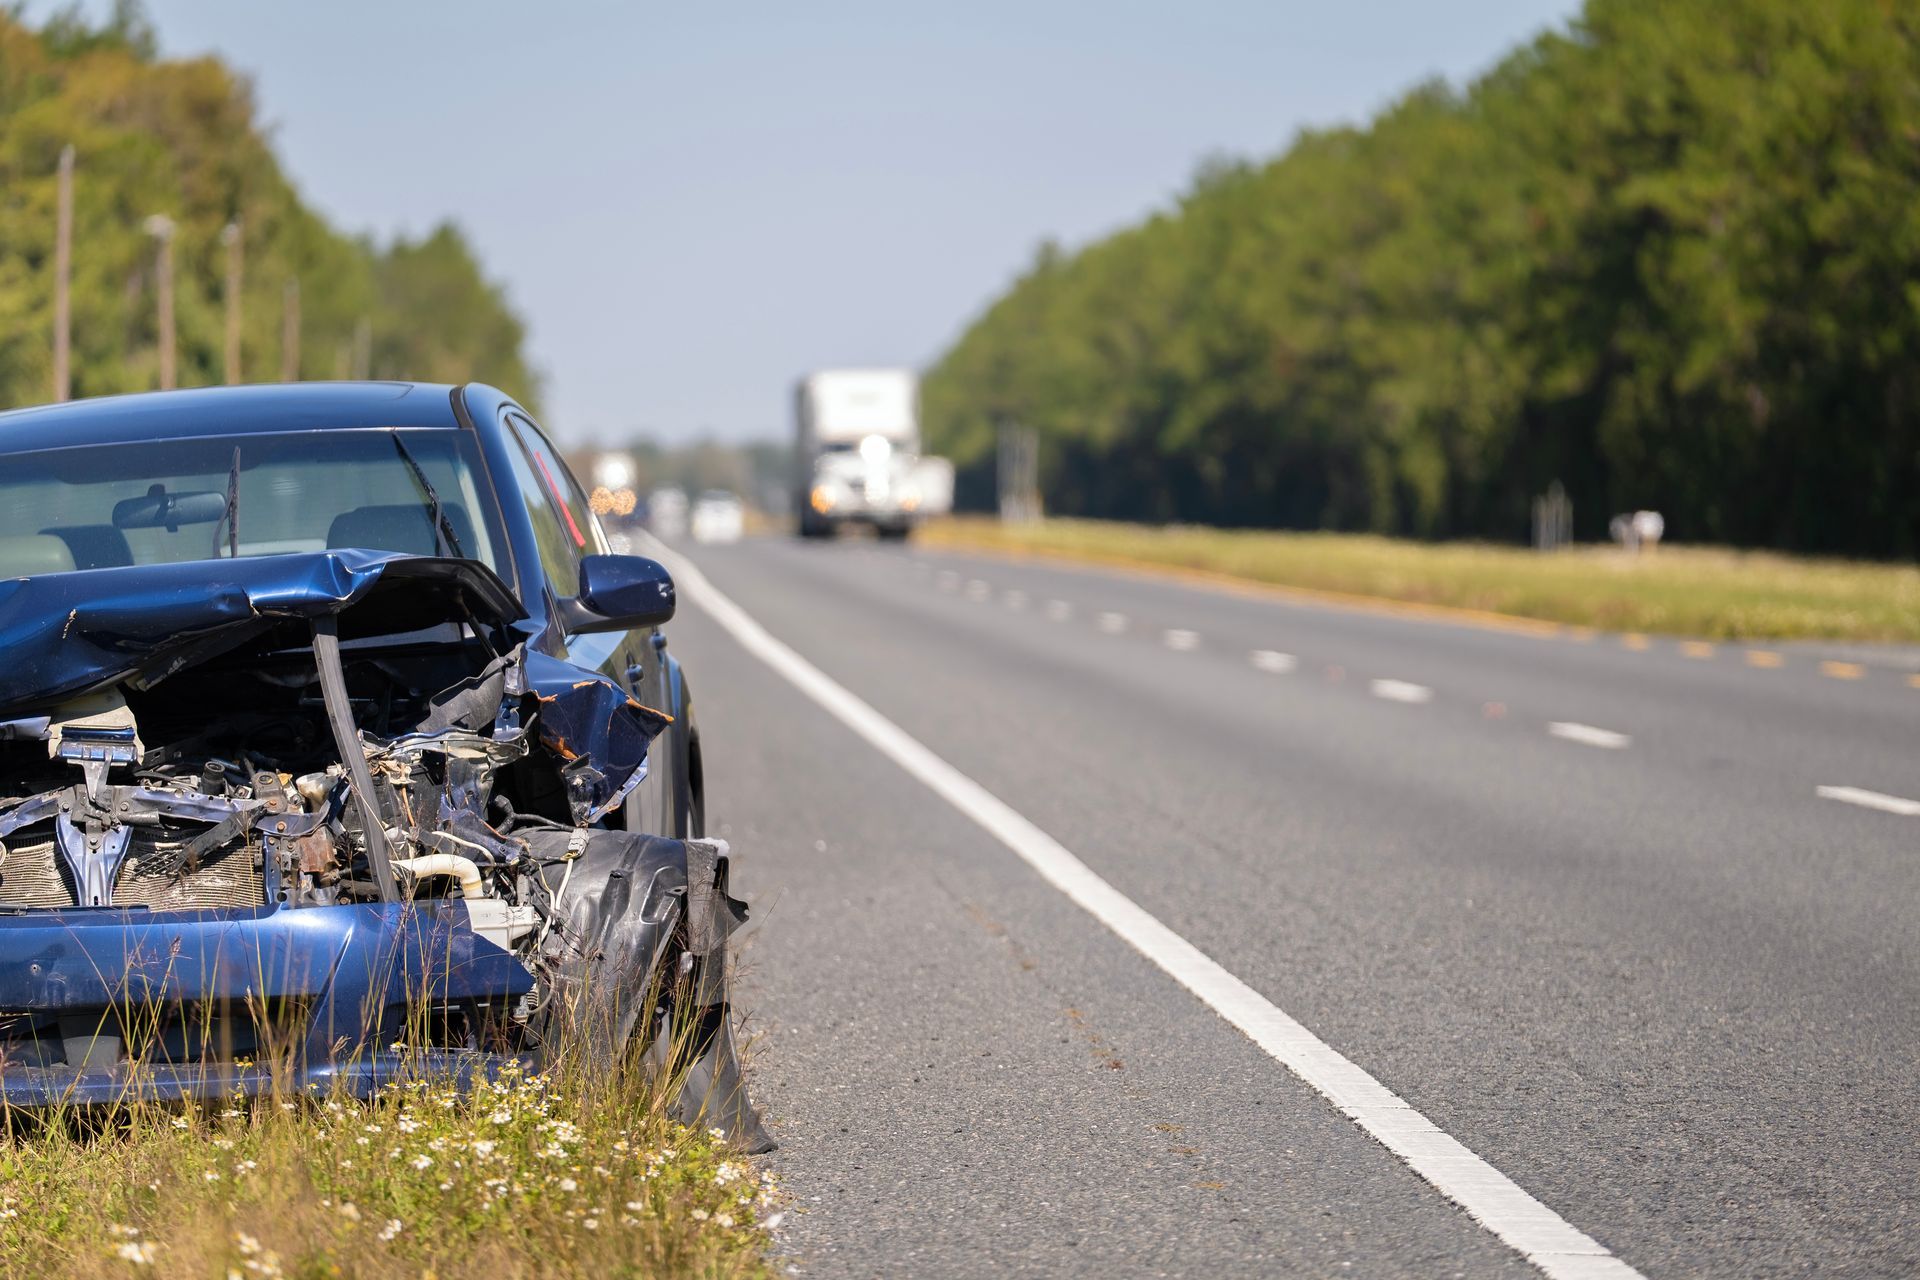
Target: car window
x=165 y=501
x=563 y=525
x=559 y=554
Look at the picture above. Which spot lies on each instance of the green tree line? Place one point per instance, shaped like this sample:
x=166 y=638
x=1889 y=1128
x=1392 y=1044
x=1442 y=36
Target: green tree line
x=1668 y=256
x=180 y=138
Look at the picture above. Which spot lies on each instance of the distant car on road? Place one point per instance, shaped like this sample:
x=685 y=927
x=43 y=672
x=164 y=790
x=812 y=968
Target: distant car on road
x=718 y=517
x=667 y=513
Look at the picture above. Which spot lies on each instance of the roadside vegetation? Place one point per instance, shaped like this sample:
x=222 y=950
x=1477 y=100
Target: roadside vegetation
x=1663 y=255
x=180 y=139
x=1692 y=591
x=526 y=1177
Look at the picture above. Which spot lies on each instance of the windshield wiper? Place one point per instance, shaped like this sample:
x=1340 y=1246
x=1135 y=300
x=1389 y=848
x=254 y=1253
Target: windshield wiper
x=232 y=513
x=442 y=527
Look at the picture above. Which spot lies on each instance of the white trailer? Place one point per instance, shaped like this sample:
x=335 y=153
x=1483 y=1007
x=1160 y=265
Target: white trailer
x=857 y=454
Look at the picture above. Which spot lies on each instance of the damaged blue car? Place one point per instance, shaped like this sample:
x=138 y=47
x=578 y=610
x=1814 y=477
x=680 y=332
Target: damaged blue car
x=336 y=745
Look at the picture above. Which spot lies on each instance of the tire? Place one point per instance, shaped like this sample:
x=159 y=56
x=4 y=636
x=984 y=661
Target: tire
x=894 y=532
x=653 y=992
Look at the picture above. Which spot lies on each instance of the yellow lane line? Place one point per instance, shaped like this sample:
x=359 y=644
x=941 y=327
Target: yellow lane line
x=1696 y=649
x=1842 y=670
x=1635 y=641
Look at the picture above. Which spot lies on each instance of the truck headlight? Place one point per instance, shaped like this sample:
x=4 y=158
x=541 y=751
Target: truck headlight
x=821 y=499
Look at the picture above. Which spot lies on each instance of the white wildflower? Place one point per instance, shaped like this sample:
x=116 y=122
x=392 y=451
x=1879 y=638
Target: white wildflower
x=422 y=1162
x=568 y=1184
x=393 y=1228
x=139 y=1253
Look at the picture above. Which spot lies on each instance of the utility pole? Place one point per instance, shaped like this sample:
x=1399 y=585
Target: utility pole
x=232 y=238
x=1019 y=466
x=290 y=332
x=160 y=227
x=62 y=279
x=363 y=349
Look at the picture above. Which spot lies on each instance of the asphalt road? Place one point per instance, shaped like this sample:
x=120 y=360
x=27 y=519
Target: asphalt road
x=1582 y=904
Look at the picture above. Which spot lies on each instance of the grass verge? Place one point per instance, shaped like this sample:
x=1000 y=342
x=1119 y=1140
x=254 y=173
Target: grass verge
x=524 y=1177
x=1694 y=591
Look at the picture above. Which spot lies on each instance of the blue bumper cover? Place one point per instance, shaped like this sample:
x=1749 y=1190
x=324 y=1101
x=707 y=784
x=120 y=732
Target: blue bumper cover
x=351 y=973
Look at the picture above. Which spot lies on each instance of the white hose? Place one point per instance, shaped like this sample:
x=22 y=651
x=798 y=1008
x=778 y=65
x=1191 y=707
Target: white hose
x=445 y=864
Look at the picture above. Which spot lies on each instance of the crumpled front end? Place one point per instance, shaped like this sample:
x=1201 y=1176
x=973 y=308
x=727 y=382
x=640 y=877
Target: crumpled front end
x=328 y=823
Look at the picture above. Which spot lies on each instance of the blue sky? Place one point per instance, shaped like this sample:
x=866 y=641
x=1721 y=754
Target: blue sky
x=693 y=204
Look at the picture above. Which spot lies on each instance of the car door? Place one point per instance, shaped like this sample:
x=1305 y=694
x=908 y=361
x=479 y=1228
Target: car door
x=565 y=530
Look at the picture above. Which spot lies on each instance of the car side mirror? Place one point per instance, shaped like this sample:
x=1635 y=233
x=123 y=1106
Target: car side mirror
x=619 y=593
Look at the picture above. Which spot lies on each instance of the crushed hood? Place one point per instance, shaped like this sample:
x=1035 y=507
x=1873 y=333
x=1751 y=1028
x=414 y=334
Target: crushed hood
x=66 y=633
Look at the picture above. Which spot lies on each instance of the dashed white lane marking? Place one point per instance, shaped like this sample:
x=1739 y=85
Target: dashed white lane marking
x=1273 y=660
x=978 y=590
x=1401 y=691
x=1181 y=641
x=1059 y=610
x=1113 y=623
x=1871 y=800
x=1492 y=1199
x=1016 y=599
x=947 y=580
x=1587 y=735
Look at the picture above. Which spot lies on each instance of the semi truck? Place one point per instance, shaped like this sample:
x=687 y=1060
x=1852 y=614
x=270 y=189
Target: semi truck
x=857 y=454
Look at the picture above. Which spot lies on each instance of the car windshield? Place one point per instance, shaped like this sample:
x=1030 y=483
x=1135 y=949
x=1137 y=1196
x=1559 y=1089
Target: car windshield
x=165 y=501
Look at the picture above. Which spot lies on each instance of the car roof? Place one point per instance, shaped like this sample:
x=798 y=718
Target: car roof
x=223 y=411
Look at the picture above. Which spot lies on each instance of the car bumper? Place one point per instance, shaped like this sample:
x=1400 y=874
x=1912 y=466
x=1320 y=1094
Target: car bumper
x=106 y=1004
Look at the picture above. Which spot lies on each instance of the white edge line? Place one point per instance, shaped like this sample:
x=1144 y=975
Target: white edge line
x=1273 y=660
x=1587 y=735
x=1870 y=800
x=1180 y=640
x=1402 y=691
x=1488 y=1196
